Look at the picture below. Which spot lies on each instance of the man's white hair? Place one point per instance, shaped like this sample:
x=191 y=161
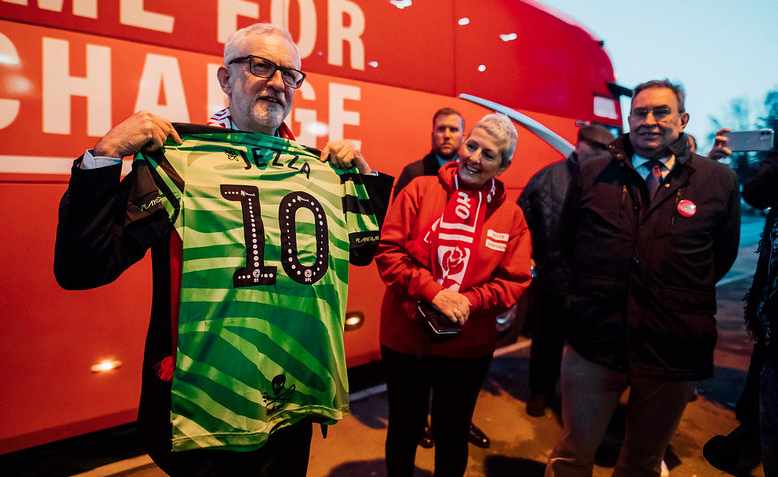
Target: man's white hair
x=502 y=129
x=235 y=41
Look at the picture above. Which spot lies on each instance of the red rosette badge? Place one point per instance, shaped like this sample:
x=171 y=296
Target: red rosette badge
x=687 y=208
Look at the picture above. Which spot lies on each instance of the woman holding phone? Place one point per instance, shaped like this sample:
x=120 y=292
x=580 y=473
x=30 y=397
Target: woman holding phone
x=453 y=254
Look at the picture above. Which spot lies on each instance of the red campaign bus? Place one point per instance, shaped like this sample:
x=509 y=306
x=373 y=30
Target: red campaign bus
x=69 y=70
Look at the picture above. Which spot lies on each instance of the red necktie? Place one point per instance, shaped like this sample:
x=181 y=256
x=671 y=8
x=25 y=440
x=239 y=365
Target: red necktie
x=654 y=177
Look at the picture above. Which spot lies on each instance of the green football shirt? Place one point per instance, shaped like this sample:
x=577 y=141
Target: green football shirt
x=266 y=229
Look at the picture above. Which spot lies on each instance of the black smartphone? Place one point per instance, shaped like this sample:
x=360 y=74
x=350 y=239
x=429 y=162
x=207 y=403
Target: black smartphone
x=438 y=323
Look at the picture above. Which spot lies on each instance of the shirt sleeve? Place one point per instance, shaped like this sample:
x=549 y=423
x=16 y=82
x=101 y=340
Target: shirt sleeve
x=167 y=174
x=105 y=225
x=90 y=161
x=365 y=200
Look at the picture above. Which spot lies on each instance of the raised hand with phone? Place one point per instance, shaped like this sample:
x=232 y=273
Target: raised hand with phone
x=728 y=141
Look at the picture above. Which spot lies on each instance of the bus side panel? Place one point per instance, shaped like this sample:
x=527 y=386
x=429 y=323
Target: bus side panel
x=540 y=62
x=52 y=337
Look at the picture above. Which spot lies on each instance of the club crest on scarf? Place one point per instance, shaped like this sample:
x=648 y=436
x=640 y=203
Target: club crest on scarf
x=454 y=236
x=453 y=263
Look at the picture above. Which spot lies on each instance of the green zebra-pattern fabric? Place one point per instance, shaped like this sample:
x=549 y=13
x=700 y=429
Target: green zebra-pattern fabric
x=266 y=228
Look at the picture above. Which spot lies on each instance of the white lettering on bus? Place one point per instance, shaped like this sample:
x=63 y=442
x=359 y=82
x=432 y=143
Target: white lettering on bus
x=9 y=108
x=338 y=33
x=59 y=86
x=161 y=74
x=131 y=12
x=339 y=116
x=227 y=15
x=345 y=22
x=81 y=8
x=160 y=78
x=279 y=15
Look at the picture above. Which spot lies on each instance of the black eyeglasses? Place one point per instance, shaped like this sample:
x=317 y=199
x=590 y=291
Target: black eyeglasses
x=264 y=68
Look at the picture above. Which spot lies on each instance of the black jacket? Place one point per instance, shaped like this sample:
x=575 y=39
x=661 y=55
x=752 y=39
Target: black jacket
x=426 y=166
x=542 y=201
x=643 y=294
x=761 y=310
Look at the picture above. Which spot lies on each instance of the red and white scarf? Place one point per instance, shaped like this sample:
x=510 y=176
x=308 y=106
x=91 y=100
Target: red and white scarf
x=453 y=238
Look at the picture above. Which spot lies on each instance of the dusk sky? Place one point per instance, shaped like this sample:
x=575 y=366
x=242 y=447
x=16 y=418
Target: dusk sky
x=717 y=49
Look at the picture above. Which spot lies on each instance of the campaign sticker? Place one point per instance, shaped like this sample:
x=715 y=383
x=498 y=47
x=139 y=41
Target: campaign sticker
x=687 y=208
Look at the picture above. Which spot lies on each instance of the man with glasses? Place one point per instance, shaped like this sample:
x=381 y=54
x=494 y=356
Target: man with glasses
x=647 y=232
x=105 y=226
x=542 y=200
x=259 y=100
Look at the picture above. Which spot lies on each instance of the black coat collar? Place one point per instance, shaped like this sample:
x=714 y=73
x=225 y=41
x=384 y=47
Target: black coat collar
x=622 y=150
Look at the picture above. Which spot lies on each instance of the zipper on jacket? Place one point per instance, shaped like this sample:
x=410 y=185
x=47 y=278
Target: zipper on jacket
x=623 y=198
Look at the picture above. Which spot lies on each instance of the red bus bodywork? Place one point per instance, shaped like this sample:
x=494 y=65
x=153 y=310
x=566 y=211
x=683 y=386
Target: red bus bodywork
x=377 y=71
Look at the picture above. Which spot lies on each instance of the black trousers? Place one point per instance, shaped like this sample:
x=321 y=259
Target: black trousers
x=548 y=339
x=747 y=409
x=454 y=384
x=285 y=454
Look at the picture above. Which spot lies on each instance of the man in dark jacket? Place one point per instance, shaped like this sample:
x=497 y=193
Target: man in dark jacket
x=542 y=200
x=652 y=229
x=448 y=127
x=105 y=226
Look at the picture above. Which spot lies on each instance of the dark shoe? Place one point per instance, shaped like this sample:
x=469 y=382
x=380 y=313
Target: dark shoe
x=536 y=405
x=737 y=453
x=426 y=440
x=477 y=437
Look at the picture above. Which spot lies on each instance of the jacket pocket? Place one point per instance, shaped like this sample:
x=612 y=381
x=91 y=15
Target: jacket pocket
x=678 y=337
